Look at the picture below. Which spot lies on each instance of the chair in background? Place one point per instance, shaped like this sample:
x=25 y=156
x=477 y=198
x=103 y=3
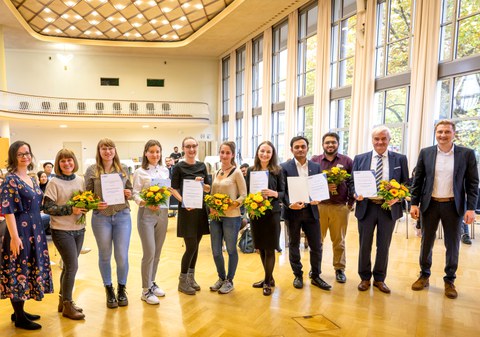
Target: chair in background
x=24 y=105
x=117 y=107
x=166 y=108
x=150 y=108
x=81 y=106
x=99 y=107
x=45 y=106
x=133 y=107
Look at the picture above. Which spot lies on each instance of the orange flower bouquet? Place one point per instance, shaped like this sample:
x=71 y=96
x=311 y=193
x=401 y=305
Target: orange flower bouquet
x=256 y=205
x=390 y=190
x=219 y=203
x=87 y=200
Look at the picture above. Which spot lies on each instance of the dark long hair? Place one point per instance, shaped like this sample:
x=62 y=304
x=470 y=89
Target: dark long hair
x=272 y=164
x=232 y=147
x=149 y=144
x=12 y=163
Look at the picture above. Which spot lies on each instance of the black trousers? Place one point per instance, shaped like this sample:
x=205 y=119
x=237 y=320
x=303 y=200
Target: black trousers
x=452 y=229
x=382 y=219
x=304 y=219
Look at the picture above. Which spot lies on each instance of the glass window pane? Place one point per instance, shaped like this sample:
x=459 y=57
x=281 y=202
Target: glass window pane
x=468 y=36
x=446 y=43
x=312 y=20
x=334 y=75
x=447 y=10
x=381 y=22
x=398 y=53
x=396 y=106
x=445 y=101
x=337 y=10
x=379 y=103
x=351 y=34
x=310 y=83
x=311 y=56
x=399 y=19
x=396 y=143
x=469 y=7
x=466 y=99
x=335 y=37
x=380 y=63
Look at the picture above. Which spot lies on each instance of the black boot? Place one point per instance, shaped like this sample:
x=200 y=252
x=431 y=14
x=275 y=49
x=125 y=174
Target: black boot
x=31 y=317
x=21 y=321
x=111 y=299
x=122 y=295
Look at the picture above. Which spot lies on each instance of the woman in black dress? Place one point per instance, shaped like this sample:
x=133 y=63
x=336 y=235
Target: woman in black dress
x=192 y=224
x=266 y=229
x=25 y=264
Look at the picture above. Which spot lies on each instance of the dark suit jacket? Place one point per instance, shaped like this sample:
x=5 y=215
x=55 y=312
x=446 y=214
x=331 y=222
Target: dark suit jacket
x=289 y=169
x=398 y=170
x=465 y=178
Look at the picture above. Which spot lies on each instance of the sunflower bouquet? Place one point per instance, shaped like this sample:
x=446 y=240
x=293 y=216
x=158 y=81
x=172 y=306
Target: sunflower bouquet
x=87 y=200
x=155 y=195
x=219 y=202
x=256 y=205
x=390 y=190
x=336 y=175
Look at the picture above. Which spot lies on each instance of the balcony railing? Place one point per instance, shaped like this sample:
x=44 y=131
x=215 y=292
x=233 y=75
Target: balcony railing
x=105 y=108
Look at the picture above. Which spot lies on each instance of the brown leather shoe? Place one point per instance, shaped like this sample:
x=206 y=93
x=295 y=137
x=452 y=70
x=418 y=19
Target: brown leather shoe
x=450 y=291
x=364 y=285
x=382 y=287
x=421 y=283
x=69 y=311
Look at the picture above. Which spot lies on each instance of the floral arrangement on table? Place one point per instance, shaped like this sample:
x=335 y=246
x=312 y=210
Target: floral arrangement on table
x=87 y=200
x=155 y=195
x=256 y=205
x=390 y=190
x=218 y=202
x=336 y=175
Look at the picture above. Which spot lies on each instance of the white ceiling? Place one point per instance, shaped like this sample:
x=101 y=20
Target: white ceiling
x=243 y=19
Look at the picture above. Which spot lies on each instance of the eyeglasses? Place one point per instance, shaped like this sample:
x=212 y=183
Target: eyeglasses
x=23 y=155
x=191 y=146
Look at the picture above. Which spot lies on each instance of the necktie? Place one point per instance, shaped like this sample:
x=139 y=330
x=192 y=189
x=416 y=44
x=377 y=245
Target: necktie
x=379 y=170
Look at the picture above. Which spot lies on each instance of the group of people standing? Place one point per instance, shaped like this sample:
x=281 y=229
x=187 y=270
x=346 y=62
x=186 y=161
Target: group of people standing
x=445 y=188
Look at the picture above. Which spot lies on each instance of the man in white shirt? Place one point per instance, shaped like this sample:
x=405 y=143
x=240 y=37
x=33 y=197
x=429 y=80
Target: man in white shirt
x=445 y=188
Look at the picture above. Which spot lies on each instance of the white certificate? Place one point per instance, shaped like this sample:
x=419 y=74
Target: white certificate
x=298 y=189
x=162 y=182
x=318 y=187
x=112 y=189
x=192 y=194
x=258 y=181
x=365 y=183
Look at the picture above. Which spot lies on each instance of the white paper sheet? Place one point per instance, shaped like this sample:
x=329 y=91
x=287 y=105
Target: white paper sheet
x=365 y=183
x=192 y=194
x=298 y=189
x=112 y=189
x=258 y=181
x=318 y=187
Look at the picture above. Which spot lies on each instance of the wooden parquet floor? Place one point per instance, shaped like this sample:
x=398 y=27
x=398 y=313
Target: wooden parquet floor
x=344 y=311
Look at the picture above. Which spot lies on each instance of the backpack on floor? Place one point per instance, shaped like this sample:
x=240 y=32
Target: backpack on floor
x=246 y=241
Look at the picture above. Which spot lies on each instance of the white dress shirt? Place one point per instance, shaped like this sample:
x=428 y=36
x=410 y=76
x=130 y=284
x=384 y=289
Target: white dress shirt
x=302 y=169
x=443 y=179
x=142 y=178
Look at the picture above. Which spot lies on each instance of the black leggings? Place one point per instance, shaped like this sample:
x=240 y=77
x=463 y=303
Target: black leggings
x=268 y=261
x=189 y=259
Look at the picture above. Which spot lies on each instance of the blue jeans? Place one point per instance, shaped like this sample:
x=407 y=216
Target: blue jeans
x=116 y=230
x=225 y=229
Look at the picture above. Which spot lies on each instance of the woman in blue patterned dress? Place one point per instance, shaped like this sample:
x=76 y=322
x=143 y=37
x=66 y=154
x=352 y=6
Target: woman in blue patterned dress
x=25 y=264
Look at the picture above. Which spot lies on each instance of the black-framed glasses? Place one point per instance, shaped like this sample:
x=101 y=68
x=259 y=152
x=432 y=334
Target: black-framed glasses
x=23 y=155
x=191 y=146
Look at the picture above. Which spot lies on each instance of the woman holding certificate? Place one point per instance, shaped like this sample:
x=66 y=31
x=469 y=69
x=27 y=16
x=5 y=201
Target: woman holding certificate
x=152 y=220
x=108 y=179
x=228 y=181
x=189 y=181
x=266 y=229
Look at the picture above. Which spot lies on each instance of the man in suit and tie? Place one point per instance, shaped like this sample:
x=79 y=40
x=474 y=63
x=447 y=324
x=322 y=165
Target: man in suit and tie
x=300 y=215
x=445 y=188
x=386 y=165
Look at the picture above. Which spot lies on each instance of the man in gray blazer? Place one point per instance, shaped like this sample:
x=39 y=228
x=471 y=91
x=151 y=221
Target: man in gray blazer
x=445 y=188
x=386 y=165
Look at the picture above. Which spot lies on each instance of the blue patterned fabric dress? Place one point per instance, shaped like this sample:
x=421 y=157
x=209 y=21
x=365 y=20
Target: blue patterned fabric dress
x=28 y=276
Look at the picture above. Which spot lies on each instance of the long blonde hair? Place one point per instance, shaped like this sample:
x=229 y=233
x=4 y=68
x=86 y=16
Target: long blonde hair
x=116 y=160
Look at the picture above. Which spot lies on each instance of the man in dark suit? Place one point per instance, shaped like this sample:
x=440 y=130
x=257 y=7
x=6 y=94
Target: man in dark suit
x=299 y=215
x=446 y=188
x=386 y=165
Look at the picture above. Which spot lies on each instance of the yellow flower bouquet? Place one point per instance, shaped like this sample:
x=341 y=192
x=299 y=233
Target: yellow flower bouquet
x=219 y=203
x=155 y=195
x=390 y=190
x=336 y=175
x=87 y=200
x=256 y=205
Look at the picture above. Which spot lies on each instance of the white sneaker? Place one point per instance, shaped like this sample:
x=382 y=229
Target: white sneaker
x=217 y=285
x=157 y=291
x=149 y=297
x=85 y=250
x=226 y=287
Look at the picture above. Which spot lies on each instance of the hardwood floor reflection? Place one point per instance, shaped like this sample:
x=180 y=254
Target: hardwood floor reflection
x=343 y=311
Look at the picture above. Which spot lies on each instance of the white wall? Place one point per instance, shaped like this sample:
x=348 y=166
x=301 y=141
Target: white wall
x=42 y=73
